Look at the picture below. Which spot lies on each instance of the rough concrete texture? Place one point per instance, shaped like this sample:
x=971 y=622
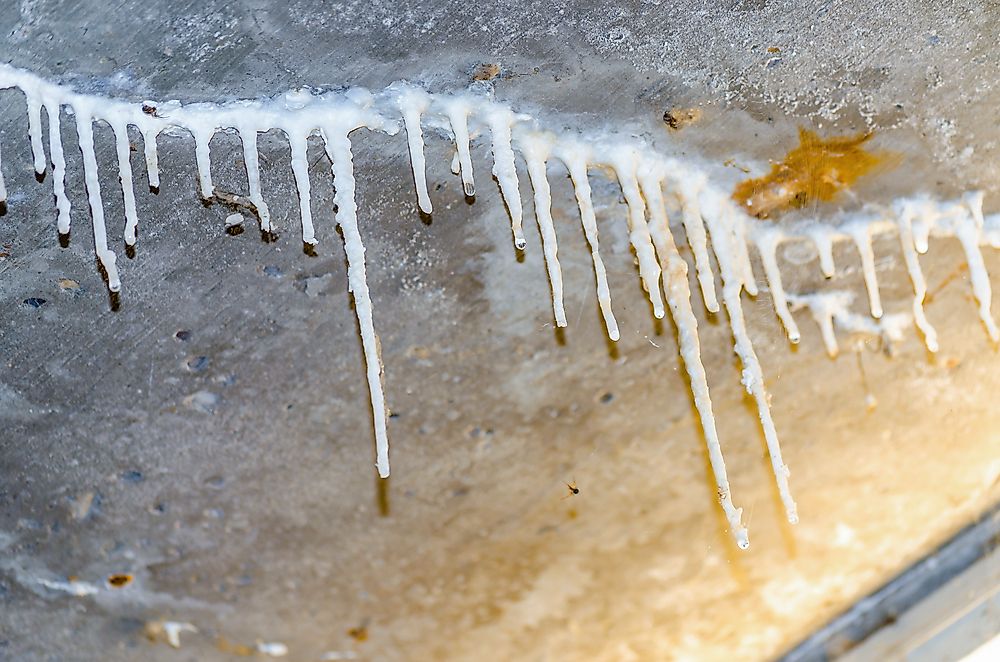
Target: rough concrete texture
x=229 y=468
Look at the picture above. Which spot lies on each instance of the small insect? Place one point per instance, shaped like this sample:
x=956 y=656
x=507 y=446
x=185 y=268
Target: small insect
x=359 y=633
x=573 y=490
x=150 y=109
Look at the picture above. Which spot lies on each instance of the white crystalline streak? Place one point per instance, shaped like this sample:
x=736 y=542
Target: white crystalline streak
x=536 y=149
x=272 y=648
x=640 y=171
x=172 y=631
x=832 y=310
x=824 y=308
x=74 y=587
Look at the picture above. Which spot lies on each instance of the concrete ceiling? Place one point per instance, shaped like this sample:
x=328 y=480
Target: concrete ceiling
x=230 y=472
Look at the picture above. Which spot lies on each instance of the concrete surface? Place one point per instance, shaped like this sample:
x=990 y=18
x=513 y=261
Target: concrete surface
x=238 y=488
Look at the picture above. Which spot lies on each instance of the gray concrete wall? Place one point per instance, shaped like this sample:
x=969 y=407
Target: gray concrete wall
x=260 y=517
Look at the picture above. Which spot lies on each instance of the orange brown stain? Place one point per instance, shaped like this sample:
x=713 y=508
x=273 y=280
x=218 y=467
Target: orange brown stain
x=119 y=580
x=241 y=650
x=817 y=170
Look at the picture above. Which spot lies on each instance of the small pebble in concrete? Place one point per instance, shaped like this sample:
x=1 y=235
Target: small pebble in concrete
x=203 y=401
x=216 y=482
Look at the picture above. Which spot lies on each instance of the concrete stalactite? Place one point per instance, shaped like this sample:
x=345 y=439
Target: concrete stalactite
x=648 y=180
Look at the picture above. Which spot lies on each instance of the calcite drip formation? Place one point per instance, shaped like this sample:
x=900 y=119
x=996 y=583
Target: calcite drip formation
x=710 y=219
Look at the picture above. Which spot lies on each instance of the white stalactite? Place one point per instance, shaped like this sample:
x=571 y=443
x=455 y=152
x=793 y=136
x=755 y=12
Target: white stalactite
x=458 y=111
x=152 y=159
x=625 y=162
x=575 y=157
x=203 y=157
x=124 y=154
x=861 y=234
x=58 y=168
x=500 y=121
x=34 y=103
x=248 y=136
x=338 y=146
x=413 y=103
x=85 y=133
x=694 y=230
x=917 y=278
x=718 y=215
x=300 y=169
x=536 y=151
x=675 y=284
x=3 y=185
x=767 y=238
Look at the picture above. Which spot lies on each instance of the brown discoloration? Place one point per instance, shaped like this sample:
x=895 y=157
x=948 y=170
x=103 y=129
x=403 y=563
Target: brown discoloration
x=119 y=580
x=233 y=648
x=486 y=72
x=678 y=118
x=816 y=170
x=359 y=633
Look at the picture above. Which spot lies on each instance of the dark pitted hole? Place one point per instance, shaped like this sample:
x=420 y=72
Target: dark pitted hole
x=607 y=397
x=34 y=302
x=197 y=363
x=183 y=335
x=132 y=476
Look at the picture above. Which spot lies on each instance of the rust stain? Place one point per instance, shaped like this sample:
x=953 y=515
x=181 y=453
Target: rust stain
x=359 y=633
x=815 y=171
x=241 y=650
x=120 y=580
